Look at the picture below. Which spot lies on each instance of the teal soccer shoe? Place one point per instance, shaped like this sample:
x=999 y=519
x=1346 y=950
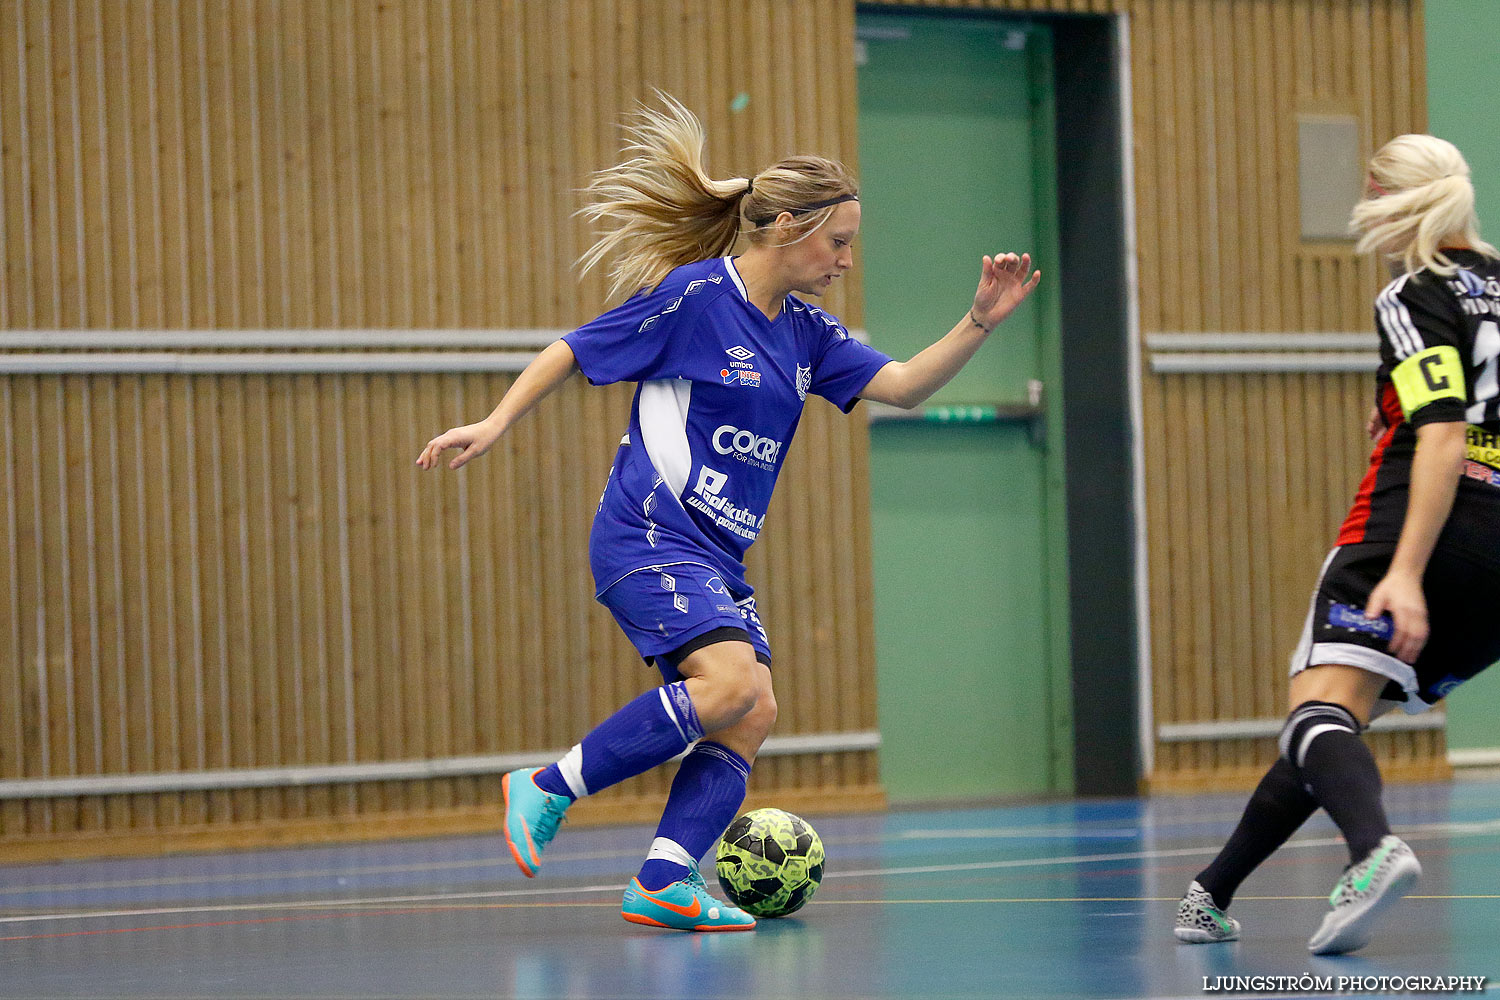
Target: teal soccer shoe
x=531 y=818
x=684 y=906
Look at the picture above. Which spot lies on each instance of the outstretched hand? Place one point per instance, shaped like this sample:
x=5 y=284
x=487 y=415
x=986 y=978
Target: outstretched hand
x=474 y=439
x=1003 y=285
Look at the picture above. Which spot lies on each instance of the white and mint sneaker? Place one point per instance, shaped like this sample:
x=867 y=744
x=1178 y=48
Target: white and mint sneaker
x=1199 y=921
x=1362 y=893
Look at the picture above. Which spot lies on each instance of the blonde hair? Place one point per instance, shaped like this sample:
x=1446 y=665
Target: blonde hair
x=659 y=209
x=1420 y=200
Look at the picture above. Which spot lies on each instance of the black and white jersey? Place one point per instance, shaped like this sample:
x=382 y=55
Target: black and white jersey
x=1439 y=361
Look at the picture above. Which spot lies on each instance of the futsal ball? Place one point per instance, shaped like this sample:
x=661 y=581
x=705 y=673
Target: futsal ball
x=770 y=862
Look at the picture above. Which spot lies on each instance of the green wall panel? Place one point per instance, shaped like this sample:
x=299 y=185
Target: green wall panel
x=955 y=160
x=1462 y=39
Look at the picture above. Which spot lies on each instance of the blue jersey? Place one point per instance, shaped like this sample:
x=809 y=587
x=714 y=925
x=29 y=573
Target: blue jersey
x=721 y=391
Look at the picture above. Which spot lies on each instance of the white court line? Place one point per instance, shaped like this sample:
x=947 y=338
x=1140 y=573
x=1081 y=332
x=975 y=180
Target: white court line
x=1427 y=831
x=1062 y=832
x=1020 y=832
x=310 y=904
x=498 y=861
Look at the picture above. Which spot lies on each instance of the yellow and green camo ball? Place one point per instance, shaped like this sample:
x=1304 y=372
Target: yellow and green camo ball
x=770 y=862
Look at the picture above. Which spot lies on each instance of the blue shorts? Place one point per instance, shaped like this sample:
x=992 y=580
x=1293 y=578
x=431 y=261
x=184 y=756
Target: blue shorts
x=664 y=608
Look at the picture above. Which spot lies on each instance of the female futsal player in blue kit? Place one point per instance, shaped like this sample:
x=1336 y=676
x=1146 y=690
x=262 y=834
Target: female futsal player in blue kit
x=725 y=355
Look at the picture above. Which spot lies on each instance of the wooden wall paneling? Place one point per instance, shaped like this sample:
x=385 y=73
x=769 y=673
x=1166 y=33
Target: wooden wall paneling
x=1176 y=633
x=441 y=540
x=1411 y=44
x=343 y=721
x=67 y=162
x=141 y=199
x=241 y=600
x=831 y=511
x=289 y=452
x=113 y=486
x=397 y=560
x=37 y=742
x=358 y=417
x=55 y=646
x=311 y=693
x=162 y=194
x=13 y=708
x=93 y=166
x=463 y=725
x=14 y=205
x=796 y=593
x=483 y=719
x=152 y=573
x=1238 y=191
x=555 y=463
x=1186 y=210
x=512 y=636
x=269 y=155
x=468 y=104
x=39 y=169
x=419 y=547
x=1198 y=585
x=390 y=454
x=854 y=709
x=210 y=566
x=1240 y=614
x=262 y=625
x=326 y=176
x=106 y=634
x=1268 y=480
x=1267 y=180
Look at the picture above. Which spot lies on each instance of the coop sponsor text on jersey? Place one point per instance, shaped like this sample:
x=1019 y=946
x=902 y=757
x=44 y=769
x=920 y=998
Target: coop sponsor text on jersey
x=746 y=446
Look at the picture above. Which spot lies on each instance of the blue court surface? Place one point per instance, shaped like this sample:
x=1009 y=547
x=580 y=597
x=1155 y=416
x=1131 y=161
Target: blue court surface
x=1062 y=899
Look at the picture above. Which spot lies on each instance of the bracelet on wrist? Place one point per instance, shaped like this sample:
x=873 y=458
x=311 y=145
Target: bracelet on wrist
x=986 y=329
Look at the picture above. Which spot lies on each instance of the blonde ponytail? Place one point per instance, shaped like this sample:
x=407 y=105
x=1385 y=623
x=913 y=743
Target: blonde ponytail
x=660 y=209
x=1421 y=200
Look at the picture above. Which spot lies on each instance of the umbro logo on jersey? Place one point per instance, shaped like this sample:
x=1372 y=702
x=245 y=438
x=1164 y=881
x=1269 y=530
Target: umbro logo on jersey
x=739 y=353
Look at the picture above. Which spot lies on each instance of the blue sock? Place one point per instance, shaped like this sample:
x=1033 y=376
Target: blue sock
x=650 y=730
x=706 y=794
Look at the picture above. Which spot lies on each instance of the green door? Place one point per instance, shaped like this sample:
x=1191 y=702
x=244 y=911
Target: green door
x=956 y=160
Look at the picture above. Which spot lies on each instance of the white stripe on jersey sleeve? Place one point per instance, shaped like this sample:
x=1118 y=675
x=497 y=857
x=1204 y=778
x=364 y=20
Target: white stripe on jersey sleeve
x=664 y=413
x=1395 y=318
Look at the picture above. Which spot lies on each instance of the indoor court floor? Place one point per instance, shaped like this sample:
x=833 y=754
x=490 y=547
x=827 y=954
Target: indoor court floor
x=1060 y=899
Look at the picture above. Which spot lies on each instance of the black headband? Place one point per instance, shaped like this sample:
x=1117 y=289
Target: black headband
x=764 y=219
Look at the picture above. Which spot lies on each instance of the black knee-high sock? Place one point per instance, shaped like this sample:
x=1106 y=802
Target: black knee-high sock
x=1322 y=739
x=1276 y=809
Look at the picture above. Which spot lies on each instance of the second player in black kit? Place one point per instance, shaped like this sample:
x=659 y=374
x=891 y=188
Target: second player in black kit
x=1404 y=610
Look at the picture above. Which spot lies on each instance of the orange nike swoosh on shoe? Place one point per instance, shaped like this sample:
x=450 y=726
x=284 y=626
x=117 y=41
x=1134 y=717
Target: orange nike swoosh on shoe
x=686 y=911
x=515 y=852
